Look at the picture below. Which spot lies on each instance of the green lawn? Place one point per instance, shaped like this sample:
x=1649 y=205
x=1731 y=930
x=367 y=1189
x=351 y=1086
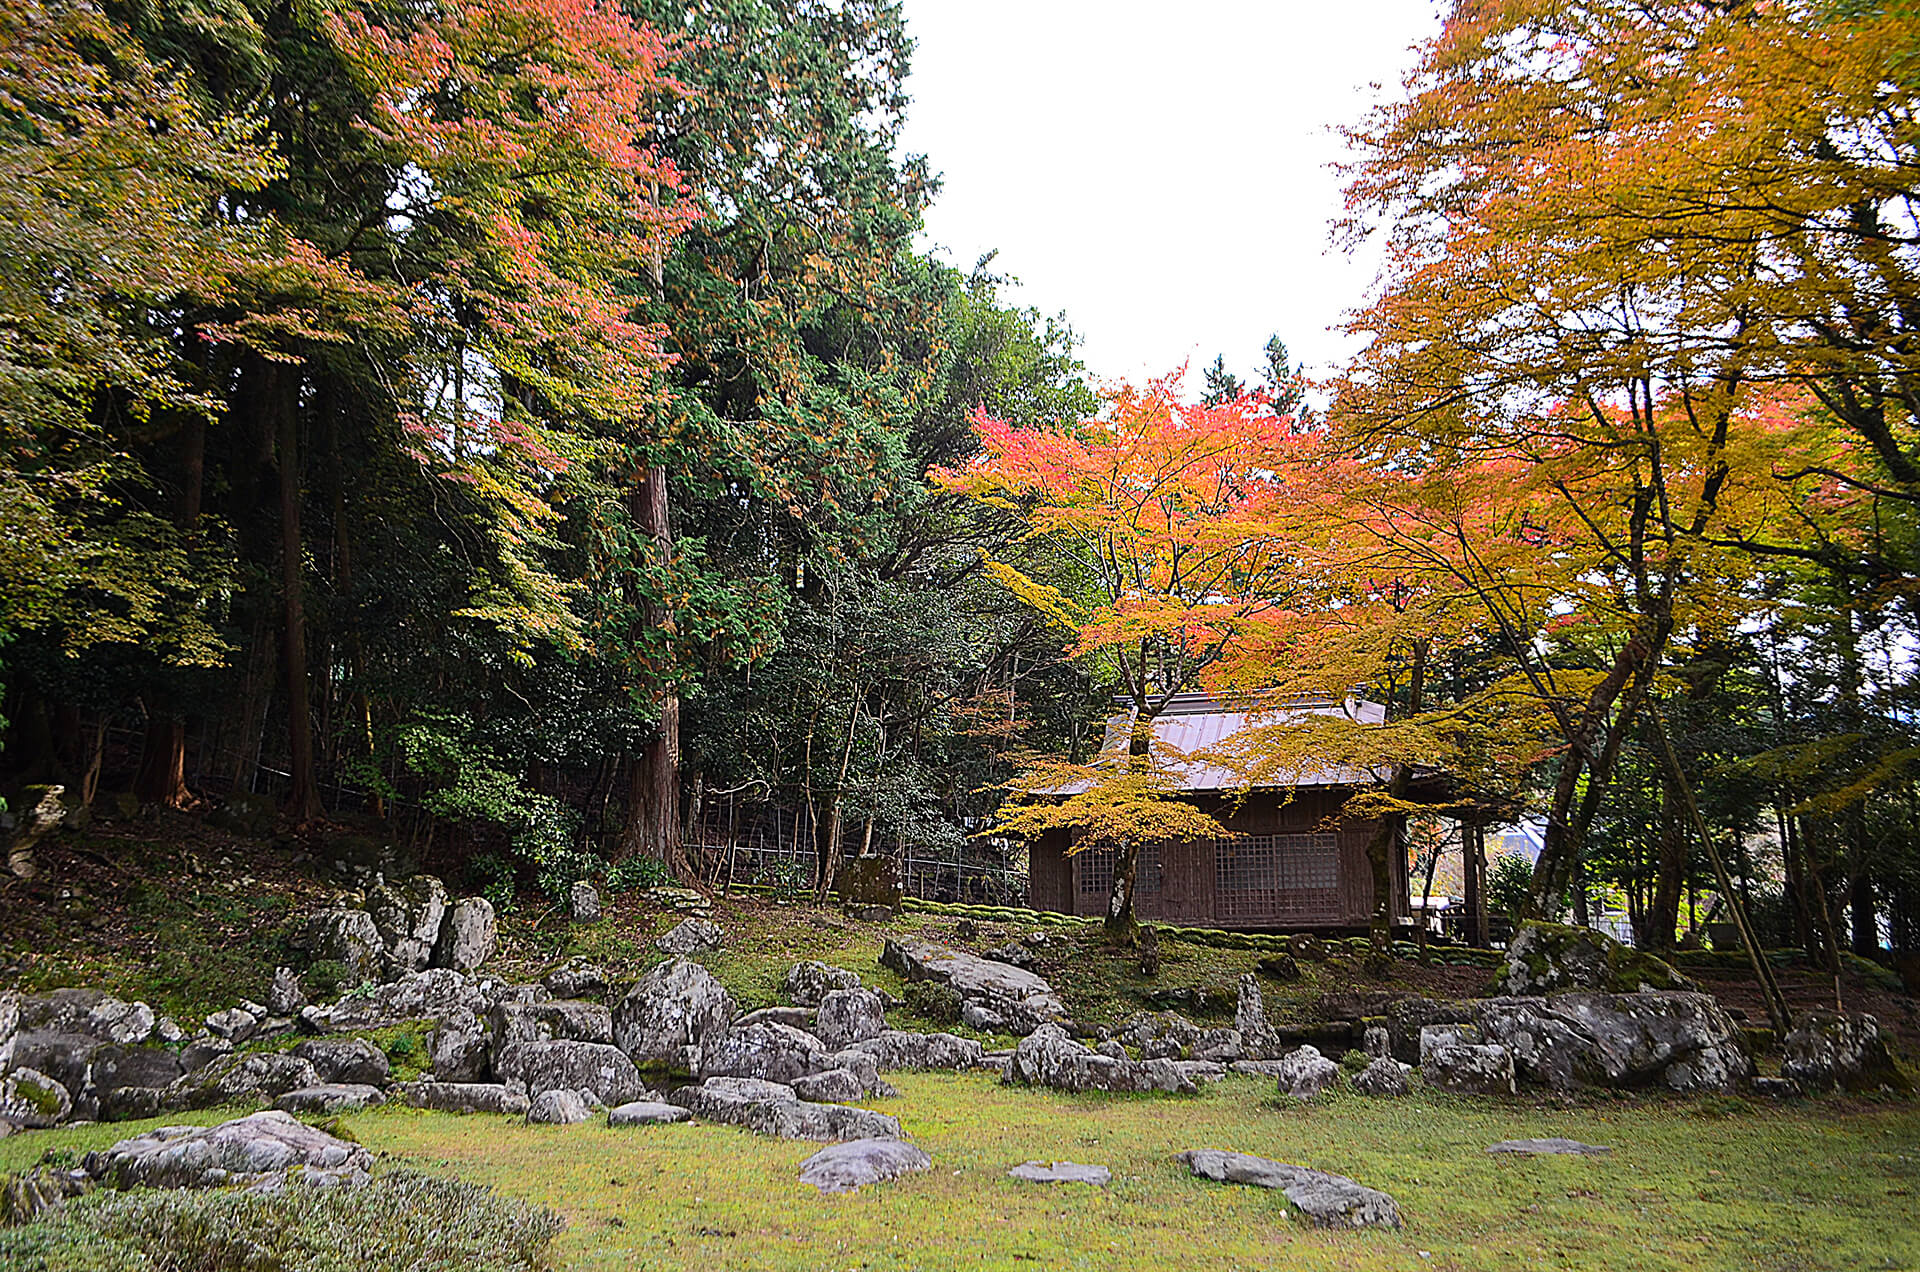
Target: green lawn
x=1710 y=1183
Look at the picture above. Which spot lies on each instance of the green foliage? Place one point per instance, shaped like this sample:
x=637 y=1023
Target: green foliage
x=326 y=979
x=631 y=873
x=402 y=1220
x=933 y=1001
x=1509 y=878
x=470 y=785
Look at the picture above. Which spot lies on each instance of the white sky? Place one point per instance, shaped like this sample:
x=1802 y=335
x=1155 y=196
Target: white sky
x=1158 y=171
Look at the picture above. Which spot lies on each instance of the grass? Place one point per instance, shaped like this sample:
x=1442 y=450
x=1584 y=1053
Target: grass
x=1706 y=1183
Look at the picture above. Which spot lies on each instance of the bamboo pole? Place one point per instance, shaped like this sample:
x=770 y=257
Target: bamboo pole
x=1776 y=1001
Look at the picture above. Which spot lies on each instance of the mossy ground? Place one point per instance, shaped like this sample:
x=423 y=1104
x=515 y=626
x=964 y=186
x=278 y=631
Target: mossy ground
x=1709 y=1183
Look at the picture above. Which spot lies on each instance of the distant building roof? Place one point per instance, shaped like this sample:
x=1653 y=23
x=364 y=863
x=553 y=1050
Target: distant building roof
x=1194 y=722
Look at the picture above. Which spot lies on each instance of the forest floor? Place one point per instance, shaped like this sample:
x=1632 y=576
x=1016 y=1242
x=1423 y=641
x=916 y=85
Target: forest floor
x=1707 y=1183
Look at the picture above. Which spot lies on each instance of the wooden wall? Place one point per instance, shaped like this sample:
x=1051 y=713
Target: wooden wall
x=1182 y=883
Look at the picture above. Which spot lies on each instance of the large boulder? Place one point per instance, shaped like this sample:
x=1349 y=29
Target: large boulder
x=577 y=979
x=262 y=1150
x=345 y=1060
x=899 y=1049
x=87 y=1013
x=845 y=1167
x=863 y=1065
x=1168 y=1035
x=408 y=915
x=830 y=1086
x=1407 y=1017
x=462 y=1097
x=559 y=1106
x=807 y=983
x=1384 y=1077
x=1678 y=1040
x=1468 y=1068
x=460 y=1048
x=671 y=1015
x=848 y=1016
x=1829 y=1050
x=774 y=1052
x=1304 y=1073
x=243 y=1078
x=346 y=936
x=1023 y=999
x=514 y=1023
x=31 y=1099
x=468 y=936
x=330 y=1099
x=772 y=1108
x=1257 y=1039
x=1048 y=1058
x=691 y=936
x=126 y=1082
x=433 y=994
x=286 y=995
x=67 y=1058
x=235 y=1024
x=1545 y=958
x=563 y=1064
x=1328 y=1201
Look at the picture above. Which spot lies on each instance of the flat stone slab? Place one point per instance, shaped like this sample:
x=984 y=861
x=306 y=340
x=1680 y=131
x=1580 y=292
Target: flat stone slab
x=1061 y=1173
x=856 y=1163
x=463 y=1097
x=331 y=1097
x=1257 y=1068
x=1552 y=1145
x=1327 y=1201
x=647 y=1113
x=259 y=1150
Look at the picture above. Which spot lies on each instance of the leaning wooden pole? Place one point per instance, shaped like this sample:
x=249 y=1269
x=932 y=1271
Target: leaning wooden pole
x=1776 y=1001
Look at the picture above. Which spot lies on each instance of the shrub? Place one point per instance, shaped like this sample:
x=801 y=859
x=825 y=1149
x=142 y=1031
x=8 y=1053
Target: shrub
x=1355 y=1061
x=329 y=978
x=931 y=1000
x=639 y=871
x=400 y=1221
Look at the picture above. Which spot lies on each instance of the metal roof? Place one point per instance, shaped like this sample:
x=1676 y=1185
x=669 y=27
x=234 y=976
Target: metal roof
x=1196 y=721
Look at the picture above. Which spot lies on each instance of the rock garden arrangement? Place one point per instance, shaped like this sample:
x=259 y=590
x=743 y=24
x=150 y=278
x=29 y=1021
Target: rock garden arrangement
x=673 y=1047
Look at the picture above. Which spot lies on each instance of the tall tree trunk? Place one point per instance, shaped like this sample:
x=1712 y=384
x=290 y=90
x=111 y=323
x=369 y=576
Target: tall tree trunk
x=1122 y=925
x=303 y=799
x=653 y=804
x=1604 y=720
x=829 y=862
x=162 y=777
x=1474 y=849
x=1388 y=836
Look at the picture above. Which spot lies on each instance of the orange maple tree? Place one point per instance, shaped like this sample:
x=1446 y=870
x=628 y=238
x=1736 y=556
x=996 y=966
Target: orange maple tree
x=1158 y=534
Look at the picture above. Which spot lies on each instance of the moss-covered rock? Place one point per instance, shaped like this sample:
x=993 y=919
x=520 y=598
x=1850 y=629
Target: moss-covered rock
x=1829 y=1050
x=1546 y=958
x=31 y=1099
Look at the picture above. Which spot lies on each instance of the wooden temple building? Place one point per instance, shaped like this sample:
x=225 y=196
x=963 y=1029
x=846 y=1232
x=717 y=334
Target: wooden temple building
x=1293 y=860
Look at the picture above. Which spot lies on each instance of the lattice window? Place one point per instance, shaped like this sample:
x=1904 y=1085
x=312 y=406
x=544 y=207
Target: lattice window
x=1277 y=876
x=1096 y=872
